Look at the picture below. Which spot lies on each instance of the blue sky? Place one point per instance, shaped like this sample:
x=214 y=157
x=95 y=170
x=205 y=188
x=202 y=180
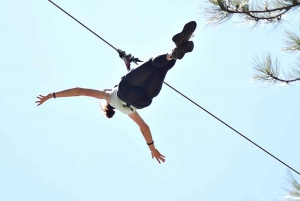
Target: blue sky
x=67 y=150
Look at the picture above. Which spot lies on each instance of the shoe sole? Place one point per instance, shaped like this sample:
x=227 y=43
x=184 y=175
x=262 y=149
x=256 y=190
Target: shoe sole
x=188 y=47
x=185 y=34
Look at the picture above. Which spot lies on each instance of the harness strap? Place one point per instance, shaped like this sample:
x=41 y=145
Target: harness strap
x=127 y=58
x=127 y=106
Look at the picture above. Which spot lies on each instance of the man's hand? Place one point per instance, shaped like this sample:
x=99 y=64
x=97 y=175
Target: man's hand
x=42 y=99
x=155 y=153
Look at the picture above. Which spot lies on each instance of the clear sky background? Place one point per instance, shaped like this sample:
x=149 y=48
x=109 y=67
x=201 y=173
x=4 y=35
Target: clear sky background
x=66 y=150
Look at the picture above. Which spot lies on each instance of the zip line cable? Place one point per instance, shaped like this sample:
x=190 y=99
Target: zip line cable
x=233 y=129
x=189 y=98
x=84 y=25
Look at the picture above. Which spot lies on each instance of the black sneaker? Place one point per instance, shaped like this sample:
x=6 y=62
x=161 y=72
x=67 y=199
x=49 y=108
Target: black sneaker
x=179 y=52
x=185 y=34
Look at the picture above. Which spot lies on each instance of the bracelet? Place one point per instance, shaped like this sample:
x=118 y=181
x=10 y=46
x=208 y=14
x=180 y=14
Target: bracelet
x=150 y=143
x=54 y=95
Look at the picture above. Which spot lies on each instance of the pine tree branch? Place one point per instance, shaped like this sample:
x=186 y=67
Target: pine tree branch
x=252 y=12
x=282 y=80
x=294 y=189
x=268 y=71
x=263 y=11
x=222 y=10
x=292 y=42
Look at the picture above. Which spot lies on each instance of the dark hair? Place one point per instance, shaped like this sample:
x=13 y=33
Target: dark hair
x=109 y=110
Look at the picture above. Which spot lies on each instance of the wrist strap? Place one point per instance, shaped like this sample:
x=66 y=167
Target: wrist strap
x=54 y=95
x=150 y=143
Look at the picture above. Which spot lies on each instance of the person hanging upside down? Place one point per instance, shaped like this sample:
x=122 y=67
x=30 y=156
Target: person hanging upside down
x=138 y=87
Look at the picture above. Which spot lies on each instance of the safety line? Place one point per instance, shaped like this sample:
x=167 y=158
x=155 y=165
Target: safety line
x=84 y=25
x=190 y=99
x=232 y=128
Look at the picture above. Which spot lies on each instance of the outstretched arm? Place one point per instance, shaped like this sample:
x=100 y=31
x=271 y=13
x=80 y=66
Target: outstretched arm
x=74 y=92
x=145 y=129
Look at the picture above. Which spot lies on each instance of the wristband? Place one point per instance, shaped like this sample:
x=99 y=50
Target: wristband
x=54 y=95
x=150 y=143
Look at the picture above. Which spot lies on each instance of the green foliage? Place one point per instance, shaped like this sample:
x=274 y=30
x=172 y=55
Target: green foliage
x=292 y=42
x=214 y=11
x=215 y=2
x=267 y=70
x=268 y=11
x=260 y=12
x=294 y=186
